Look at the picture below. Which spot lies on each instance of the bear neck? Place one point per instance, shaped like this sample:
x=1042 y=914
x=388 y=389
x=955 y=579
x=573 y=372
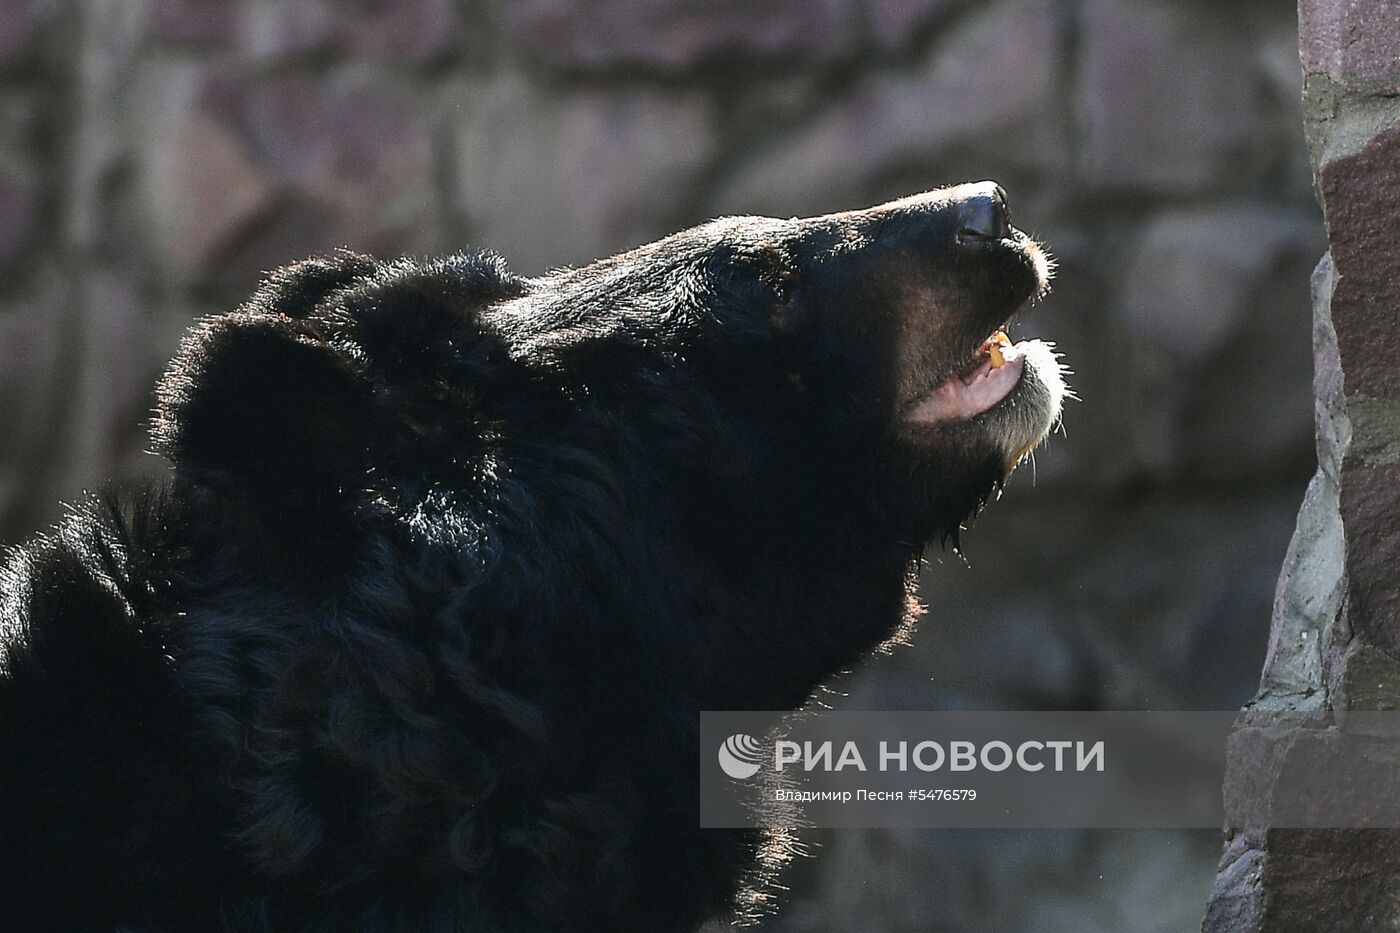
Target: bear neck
x=790 y=594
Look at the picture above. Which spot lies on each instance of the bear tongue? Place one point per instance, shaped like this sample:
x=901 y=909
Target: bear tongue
x=963 y=397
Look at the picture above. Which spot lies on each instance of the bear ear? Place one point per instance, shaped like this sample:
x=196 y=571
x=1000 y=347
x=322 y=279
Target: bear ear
x=259 y=403
x=300 y=288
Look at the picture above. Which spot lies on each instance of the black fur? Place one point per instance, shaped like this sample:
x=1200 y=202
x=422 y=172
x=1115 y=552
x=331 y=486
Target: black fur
x=417 y=636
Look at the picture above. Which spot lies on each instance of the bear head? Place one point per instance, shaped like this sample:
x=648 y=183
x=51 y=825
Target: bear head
x=765 y=419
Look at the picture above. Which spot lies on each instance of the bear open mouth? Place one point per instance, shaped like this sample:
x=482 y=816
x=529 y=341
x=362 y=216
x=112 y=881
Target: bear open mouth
x=988 y=377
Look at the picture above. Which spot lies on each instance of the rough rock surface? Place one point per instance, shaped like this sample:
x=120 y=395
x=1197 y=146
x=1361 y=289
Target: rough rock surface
x=1351 y=41
x=1336 y=626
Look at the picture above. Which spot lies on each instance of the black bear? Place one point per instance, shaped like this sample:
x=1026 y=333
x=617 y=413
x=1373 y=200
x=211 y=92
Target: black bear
x=417 y=634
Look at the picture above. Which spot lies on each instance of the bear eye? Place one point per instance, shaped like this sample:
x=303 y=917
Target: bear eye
x=747 y=288
x=775 y=269
x=753 y=269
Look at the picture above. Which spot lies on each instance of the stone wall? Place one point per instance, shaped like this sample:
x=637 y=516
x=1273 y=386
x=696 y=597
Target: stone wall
x=1335 y=634
x=155 y=155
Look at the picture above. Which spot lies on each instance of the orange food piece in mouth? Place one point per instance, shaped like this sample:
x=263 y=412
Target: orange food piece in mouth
x=999 y=340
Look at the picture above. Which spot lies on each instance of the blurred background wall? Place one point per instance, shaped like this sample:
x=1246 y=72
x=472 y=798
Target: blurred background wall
x=157 y=155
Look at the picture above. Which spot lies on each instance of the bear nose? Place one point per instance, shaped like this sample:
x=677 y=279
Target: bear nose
x=983 y=214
